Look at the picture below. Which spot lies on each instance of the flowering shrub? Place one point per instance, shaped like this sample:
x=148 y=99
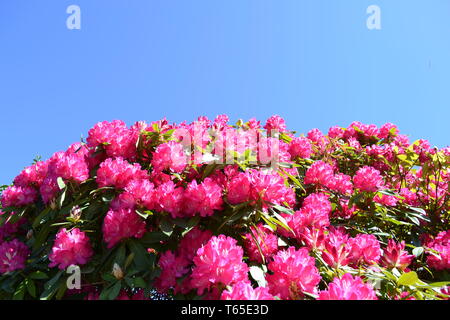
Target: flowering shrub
x=212 y=210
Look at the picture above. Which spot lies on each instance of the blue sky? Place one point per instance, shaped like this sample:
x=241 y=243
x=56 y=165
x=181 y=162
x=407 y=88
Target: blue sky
x=313 y=62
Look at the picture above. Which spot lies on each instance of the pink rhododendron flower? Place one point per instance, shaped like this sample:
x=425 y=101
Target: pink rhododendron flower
x=348 y=288
x=269 y=188
x=314 y=213
x=220 y=121
x=68 y=165
x=341 y=183
x=18 y=196
x=336 y=250
x=358 y=130
x=172 y=267
x=118 y=173
x=446 y=291
x=8 y=228
x=275 y=123
x=345 y=211
x=386 y=200
x=13 y=255
x=170 y=198
x=142 y=192
x=439 y=252
x=203 y=198
x=70 y=248
x=300 y=147
x=169 y=155
x=259 y=187
x=410 y=197
x=405 y=295
x=320 y=173
x=192 y=241
x=266 y=240
x=253 y=124
x=122 y=224
x=49 y=189
x=368 y=179
x=32 y=176
x=219 y=262
x=272 y=151
x=386 y=130
x=336 y=132
x=316 y=136
x=239 y=188
x=395 y=255
x=313 y=238
x=294 y=273
x=365 y=248
x=115 y=138
x=244 y=291
x=401 y=141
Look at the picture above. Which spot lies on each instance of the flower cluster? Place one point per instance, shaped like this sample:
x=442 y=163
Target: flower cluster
x=218 y=263
x=70 y=248
x=348 y=288
x=244 y=211
x=13 y=255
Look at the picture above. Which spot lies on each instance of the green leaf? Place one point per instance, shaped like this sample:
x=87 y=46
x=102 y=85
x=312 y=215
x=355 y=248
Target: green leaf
x=440 y=284
x=61 y=198
x=13 y=218
x=41 y=237
x=280 y=221
x=258 y=275
x=31 y=287
x=414 y=220
x=388 y=219
x=38 y=275
x=120 y=255
x=282 y=243
x=115 y=290
x=20 y=291
x=408 y=279
x=61 y=183
x=139 y=282
x=166 y=227
x=284 y=209
x=209 y=169
x=417 y=251
x=108 y=277
x=142 y=258
x=105 y=293
x=60 y=224
x=61 y=291
x=269 y=223
x=419 y=210
x=186 y=223
x=129 y=260
x=51 y=286
x=143 y=214
x=387 y=192
x=153 y=237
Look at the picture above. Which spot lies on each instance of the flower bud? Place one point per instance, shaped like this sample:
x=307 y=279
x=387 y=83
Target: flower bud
x=117 y=272
x=75 y=213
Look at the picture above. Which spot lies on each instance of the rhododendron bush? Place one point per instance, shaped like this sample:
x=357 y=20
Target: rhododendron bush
x=210 y=210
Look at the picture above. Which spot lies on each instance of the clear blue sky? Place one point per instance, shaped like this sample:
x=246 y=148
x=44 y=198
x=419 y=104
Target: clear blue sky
x=312 y=61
